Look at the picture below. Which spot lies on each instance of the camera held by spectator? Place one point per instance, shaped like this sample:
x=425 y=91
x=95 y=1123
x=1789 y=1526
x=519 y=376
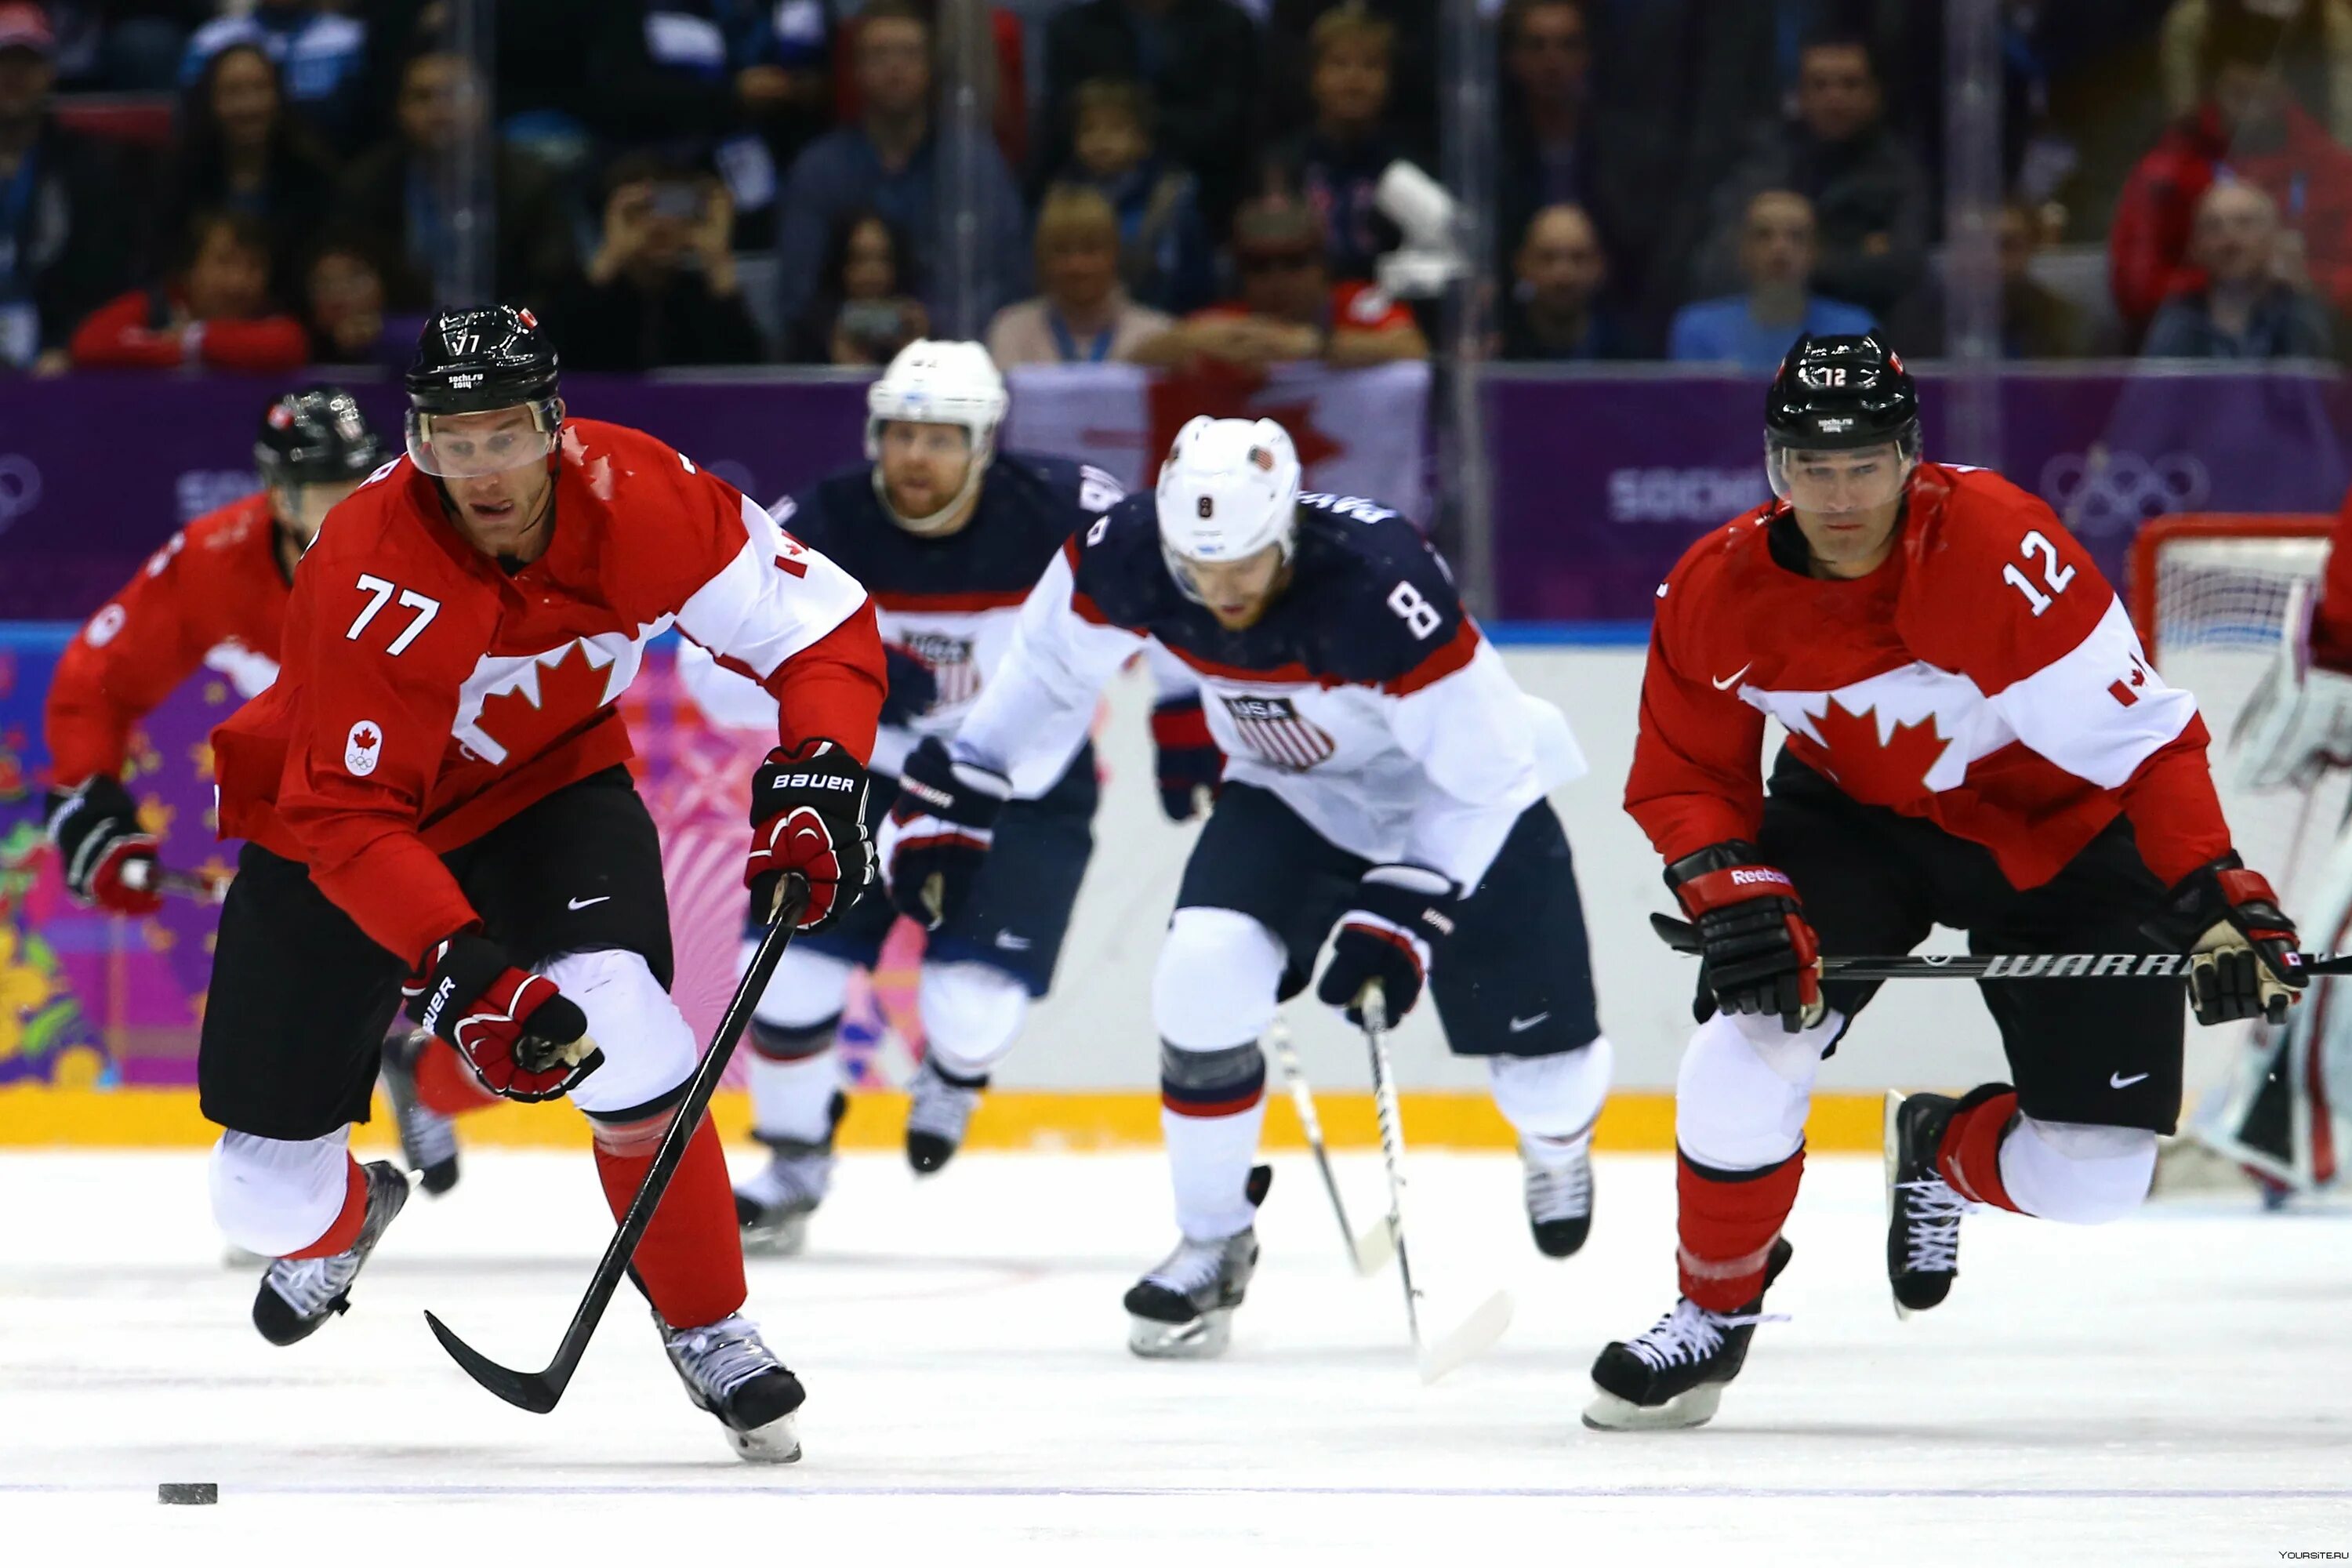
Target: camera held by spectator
x=863 y=312
x=661 y=288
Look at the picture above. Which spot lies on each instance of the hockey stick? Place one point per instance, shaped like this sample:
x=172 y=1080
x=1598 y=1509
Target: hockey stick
x=1477 y=1332
x=1682 y=936
x=1369 y=1250
x=192 y=885
x=538 y=1391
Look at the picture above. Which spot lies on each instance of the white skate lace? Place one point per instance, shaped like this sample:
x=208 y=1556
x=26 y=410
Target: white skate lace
x=1933 y=1212
x=308 y=1284
x=1193 y=1266
x=1689 y=1333
x=938 y=1107
x=723 y=1357
x=1560 y=1190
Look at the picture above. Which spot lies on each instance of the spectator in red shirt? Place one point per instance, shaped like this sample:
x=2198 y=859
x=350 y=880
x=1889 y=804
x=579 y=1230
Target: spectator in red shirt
x=1289 y=309
x=2249 y=128
x=214 y=311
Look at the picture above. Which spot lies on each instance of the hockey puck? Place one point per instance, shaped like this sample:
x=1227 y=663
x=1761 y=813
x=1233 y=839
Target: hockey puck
x=188 y=1491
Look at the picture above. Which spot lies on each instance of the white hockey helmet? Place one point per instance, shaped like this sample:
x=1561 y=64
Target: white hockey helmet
x=937 y=382
x=1228 y=489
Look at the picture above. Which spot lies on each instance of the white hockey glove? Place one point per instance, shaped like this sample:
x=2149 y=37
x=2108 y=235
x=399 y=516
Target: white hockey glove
x=2298 y=723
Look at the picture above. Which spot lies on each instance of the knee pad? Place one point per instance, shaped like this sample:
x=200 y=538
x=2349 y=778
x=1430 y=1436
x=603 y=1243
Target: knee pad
x=648 y=1050
x=971 y=1014
x=274 y=1197
x=1223 y=1083
x=1216 y=983
x=2076 y=1173
x=1740 y=1098
x=1556 y=1096
x=807 y=989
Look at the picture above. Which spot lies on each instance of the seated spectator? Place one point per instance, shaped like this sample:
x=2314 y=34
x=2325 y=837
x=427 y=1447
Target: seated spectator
x=1778 y=252
x=1337 y=165
x=1288 y=52
x=66 y=244
x=1556 y=309
x=782 y=55
x=1869 y=194
x=889 y=160
x=661 y=288
x=1164 y=251
x=2315 y=51
x=1199 y=60
x=1289 y=307
x=343 y=296
x=1084 y=317
x=402 y=192
x=242 y=150
x=2036 y=322
x=1003 y=93
x=2248 y=123
x=214 y=310
x=2251 y=307
x=321 y=50
x=863 y=312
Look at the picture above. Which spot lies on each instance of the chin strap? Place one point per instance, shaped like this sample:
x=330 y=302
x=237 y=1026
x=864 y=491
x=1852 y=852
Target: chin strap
x=974 y=472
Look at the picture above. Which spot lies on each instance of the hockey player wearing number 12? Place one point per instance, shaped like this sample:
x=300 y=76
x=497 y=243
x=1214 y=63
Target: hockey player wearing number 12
x=1383 y=776
x=1975 y=740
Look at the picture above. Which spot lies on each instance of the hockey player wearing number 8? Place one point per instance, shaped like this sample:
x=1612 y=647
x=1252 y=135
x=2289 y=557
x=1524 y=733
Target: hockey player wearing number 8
x=1974 y=739
x=1383 y=776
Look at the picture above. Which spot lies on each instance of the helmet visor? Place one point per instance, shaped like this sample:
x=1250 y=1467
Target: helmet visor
x=1825 y=483
x=469 y=445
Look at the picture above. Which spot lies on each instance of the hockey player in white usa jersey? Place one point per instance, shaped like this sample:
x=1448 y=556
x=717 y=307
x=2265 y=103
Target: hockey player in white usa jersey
x=1383 y=773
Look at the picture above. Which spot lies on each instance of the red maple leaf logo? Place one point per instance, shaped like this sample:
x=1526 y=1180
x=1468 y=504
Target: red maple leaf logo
x=570 y=690
x=365 y=738
x=1889 y=772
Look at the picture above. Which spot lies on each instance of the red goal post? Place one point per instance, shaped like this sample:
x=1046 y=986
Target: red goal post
x=2183 y=538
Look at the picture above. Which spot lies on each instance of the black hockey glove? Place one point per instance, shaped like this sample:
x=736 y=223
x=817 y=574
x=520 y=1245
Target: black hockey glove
x=914 y=688
x=1761 y=958
x=2245 y=963
x=808 y=816
x=98 y=838
x=1402 y=916
x=524 y=1039
x=1188 y=760
x=940 y=831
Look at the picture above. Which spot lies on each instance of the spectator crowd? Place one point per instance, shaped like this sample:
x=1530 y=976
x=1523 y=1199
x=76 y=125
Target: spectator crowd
x=256 y=185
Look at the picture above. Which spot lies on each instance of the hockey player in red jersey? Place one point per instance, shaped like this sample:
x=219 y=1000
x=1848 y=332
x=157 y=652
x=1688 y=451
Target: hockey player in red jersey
x=437 y=807
x=1975 y=740
x=214 y=596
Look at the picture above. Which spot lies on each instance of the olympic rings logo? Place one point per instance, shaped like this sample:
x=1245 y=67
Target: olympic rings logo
x=2105 y=491
x=20 y=487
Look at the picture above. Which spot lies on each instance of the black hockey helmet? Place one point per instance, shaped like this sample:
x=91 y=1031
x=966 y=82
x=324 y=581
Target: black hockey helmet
x=480 y=360
x=1836 y=393
x=318 y=435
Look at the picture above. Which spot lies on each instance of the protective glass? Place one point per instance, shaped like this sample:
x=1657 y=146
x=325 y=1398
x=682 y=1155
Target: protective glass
x=1833 y=482
x=305 y=507
x=469 y=445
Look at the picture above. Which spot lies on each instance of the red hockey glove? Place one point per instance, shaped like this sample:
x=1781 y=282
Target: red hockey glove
x=939 y=832
x=1762 y=957
x=1188 y=756
x=2245 y=963
x=808 y=814
x=1402 y=916
x=524 y=1039
x=96 y=831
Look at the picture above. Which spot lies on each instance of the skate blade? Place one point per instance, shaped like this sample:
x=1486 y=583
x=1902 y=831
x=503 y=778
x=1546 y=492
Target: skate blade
x=776 y=1238
x=1694 y=1408
x=1473 y=1338
x=1204 y=1337
x=1893 y=1105
x=777 y=1443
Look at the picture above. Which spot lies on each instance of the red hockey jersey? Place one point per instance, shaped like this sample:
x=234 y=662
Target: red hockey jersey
x=2331 y=615
x=1985 y=677
x=215 y=595
x=429 y=695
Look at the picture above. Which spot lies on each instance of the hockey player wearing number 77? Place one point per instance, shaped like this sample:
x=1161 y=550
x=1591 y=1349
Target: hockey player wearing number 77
x=1975 y=740
x=1383 y=774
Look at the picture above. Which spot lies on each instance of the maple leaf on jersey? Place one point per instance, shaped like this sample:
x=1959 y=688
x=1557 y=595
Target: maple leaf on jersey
x=1893 y=772
x=540 y=710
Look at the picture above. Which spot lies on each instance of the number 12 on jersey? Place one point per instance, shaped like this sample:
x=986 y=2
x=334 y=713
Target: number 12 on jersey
x=2038 y=543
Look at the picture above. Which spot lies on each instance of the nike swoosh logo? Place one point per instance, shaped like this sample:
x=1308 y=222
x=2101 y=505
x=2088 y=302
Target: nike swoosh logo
x=1521 y=1026
x=584 y=903
x=1011 y=943
x=2118 y=1080
x=1728 y=681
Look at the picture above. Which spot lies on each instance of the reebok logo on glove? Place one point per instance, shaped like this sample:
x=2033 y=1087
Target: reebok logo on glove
x=1749 y=878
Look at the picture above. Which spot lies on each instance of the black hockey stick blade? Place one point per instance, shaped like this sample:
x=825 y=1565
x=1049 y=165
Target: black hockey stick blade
x=1682 y=936
x=538 y=1392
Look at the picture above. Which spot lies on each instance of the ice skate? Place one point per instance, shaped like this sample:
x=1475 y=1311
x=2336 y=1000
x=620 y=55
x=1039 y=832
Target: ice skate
x=1183 y=1310
x=1560 y=1193
x=774 y=1207
x=1923 y=1211
x=297 y=1294
x=428 y=1140
x=729 y=1372
x=939 y=1106
x=1674 y=1376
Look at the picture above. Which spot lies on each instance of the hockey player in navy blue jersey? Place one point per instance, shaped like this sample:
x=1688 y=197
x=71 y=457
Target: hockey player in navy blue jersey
x=949 y=535
x=1383 y=774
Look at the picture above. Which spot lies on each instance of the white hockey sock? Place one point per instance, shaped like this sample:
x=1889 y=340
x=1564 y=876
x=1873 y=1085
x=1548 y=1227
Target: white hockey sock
x=971 y=1014
x=1209 y=1162
x=274 y=1197
x=1552 y=1102
x=2077 y=1173
x=793 y=1099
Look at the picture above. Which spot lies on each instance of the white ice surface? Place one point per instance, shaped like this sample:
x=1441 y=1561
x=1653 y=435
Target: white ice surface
x=2172 y=1389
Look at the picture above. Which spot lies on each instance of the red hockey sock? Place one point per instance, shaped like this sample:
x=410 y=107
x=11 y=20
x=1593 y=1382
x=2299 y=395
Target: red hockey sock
x=691 y=1259
x=1727 y=1221
x=348 y=1220
x=1969 y=1155
x=447 y=1085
